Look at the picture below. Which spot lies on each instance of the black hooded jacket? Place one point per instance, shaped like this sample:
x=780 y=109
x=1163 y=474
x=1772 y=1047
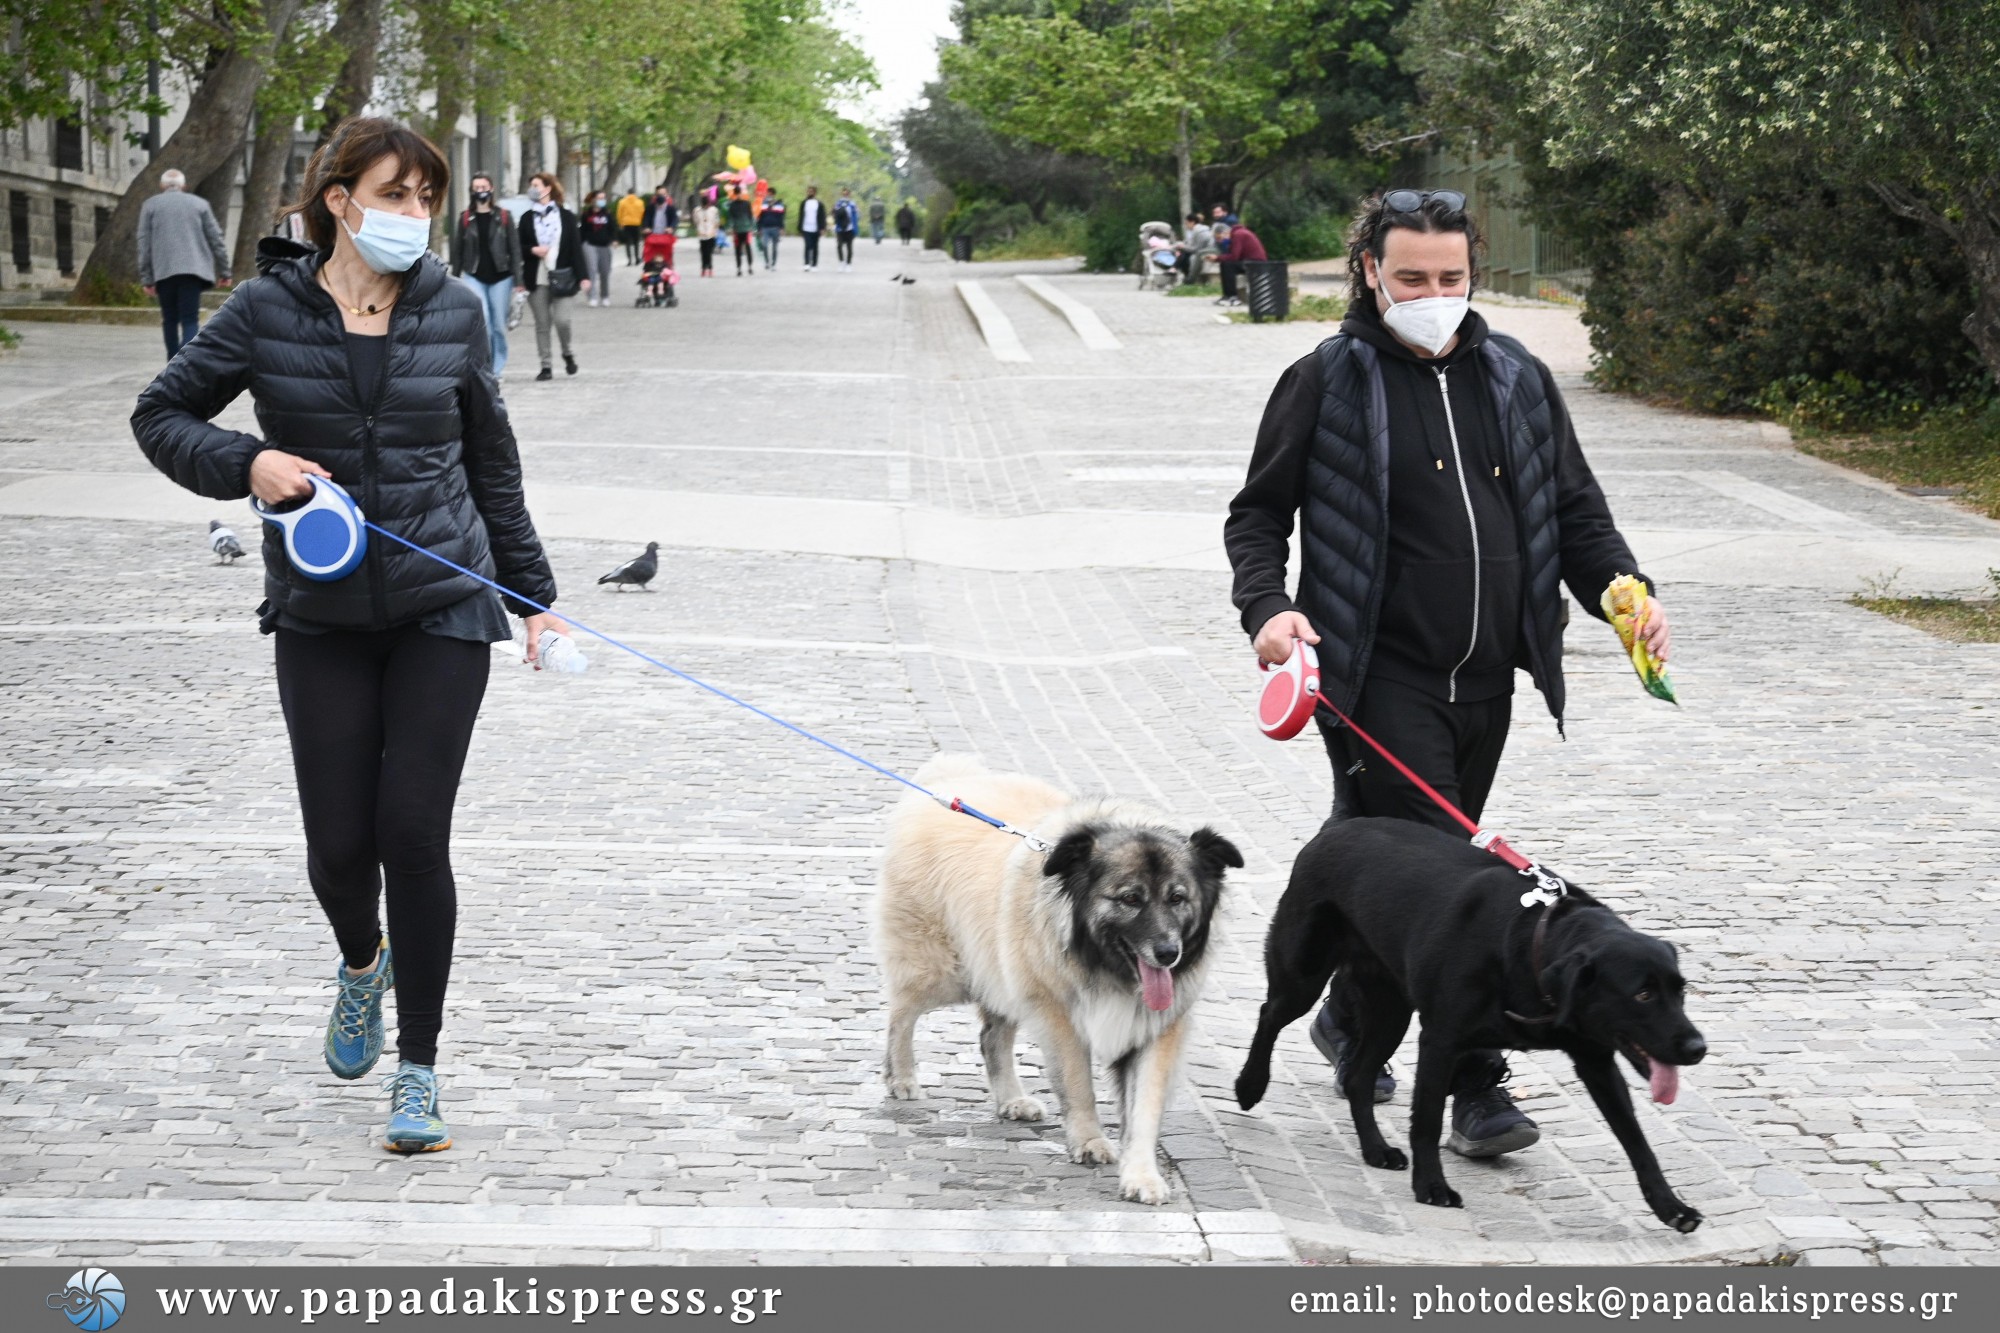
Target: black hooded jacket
x=426 y=451
x=1435 y=532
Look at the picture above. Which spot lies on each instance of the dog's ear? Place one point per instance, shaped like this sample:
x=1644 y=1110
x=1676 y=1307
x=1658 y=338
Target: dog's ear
x=1569 y=980
x=1214 y=849
x=1070 y=855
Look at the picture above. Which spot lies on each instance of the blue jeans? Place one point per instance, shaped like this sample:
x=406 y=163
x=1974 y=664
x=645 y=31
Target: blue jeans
x=180 y=308
x=495 y=296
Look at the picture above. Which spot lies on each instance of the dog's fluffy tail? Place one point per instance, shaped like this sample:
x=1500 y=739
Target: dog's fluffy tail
x=947 y=767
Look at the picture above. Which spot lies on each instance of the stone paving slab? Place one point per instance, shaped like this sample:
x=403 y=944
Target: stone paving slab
x=664 y=998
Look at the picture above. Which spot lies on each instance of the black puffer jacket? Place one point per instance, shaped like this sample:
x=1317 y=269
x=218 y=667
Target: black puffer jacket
x=427 y=453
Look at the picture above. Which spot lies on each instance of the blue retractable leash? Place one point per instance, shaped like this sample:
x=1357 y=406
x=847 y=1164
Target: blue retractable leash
x=326 y=538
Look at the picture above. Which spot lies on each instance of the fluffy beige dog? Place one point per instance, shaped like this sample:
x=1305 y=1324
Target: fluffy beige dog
x=1097 y=947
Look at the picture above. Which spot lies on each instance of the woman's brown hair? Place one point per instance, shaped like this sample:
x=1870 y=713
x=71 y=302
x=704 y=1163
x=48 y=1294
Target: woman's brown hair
x=555 y=186
x=357 y=144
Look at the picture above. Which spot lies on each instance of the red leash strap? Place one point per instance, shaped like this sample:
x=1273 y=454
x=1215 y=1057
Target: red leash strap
x=1491 y=842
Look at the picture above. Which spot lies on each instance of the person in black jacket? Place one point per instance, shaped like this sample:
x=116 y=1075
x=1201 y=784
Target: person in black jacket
x=598 y=233
x=1442 y=500
x=486 y=255
x=551 y=267
x=369 y=366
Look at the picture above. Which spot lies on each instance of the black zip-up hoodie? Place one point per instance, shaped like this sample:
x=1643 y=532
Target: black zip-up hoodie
x=1450 y=621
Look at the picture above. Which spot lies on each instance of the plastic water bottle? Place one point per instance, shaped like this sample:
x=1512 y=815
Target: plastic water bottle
x=561 y=656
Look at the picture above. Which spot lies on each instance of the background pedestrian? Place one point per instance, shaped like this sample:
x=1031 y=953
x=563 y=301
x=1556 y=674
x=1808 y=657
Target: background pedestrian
x=381 y=673
x=906 y=222
x=707 y=222
x=551 y=267
x=877 y=212
x=598 y=232
x=181 y=255
x=813 y=223
x=770 y=228
x=631 y=214
x=486 y=255
x=846 y=224
x=741 y=219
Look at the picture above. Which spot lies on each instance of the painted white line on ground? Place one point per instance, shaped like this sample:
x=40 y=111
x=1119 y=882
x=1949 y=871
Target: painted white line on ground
x=222 y=838
x=244 y=627
x=1156 y=474
x=831 y=1230
x=1771 y=499
x=995 y=327
x=1080 y=316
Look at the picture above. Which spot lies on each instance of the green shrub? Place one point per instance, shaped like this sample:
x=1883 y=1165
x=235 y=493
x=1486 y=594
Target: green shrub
x=1059 y=237
x=1111 y=235
x=1816 y=304
x=8 y=338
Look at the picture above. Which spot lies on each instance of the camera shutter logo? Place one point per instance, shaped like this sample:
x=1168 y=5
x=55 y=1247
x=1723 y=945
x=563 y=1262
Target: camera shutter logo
x=92 y=1299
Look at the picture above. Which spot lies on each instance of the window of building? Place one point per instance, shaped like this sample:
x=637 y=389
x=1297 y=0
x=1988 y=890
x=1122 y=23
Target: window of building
x=65 y=238
x=69 y=145
x=17 y=220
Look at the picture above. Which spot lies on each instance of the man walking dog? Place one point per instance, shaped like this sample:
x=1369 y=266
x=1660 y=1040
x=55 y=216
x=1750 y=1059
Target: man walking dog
x=1442 y=498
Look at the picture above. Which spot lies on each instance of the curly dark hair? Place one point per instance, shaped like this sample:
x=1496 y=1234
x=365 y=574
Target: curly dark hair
x=1373 y=223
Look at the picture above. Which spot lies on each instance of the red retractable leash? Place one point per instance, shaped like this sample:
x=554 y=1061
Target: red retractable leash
x=1291 y=695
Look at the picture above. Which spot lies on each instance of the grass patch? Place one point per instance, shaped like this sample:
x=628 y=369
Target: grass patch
x=1208 y=289
x=1306 y=308
x=9 y=339
x=1946 y=617
x=1061 y=237
x=1961 y=620
x=1955 y=445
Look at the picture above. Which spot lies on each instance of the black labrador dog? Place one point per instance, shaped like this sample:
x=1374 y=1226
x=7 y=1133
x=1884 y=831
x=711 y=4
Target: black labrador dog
x=1416 y=918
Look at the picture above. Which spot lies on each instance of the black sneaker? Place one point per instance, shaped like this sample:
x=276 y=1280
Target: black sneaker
x=569 y=364
x=1334 y=1045
x=1486 y=1123
x=546 y=374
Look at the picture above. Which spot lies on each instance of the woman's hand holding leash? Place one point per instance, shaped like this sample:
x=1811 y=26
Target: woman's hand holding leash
x=276 y=476
x=533 y=626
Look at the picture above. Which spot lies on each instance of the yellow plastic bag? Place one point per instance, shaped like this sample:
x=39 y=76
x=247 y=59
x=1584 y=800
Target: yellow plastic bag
x=1624 y=603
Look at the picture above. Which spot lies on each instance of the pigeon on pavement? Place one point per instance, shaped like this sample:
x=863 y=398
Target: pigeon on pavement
x=223 y=542
x=636 y=573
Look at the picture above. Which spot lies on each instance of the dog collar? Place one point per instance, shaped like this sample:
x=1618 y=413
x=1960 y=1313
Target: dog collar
x=1549 y=908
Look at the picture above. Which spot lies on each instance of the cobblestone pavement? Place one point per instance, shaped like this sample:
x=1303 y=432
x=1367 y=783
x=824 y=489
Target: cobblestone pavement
x=664 y=1030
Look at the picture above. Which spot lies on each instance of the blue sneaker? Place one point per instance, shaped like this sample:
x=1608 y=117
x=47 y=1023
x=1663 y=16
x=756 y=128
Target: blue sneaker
x=1334 y=1045
x=413 y=1119
x=354 y=1033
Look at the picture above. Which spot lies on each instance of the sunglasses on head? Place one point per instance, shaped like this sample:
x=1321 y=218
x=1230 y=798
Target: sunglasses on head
x=1410 y=201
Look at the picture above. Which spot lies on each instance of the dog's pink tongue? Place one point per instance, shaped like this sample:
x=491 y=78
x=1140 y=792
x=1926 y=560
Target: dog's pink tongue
x=1666 y=1082
x=1158 y=984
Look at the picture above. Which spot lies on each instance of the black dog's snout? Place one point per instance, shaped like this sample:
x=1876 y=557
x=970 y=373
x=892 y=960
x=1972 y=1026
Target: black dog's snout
x=1691 y=1050
x=1166 y=952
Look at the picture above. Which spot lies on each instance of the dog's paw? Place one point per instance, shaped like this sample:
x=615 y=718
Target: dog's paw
x=902 y=1089
x=1389 y=1159
x=1251 y=1085
x=1437 y=1194
x=1022 y=1108
x=1144 y=1186
x=1680 y=1217
x=1093 y=1152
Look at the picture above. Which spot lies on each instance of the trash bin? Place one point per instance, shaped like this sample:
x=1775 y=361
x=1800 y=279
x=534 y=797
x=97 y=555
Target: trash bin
x=1267 y=289
x=961 y=249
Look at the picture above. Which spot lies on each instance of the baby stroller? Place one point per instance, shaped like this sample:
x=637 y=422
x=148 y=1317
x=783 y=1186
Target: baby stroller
x=1155 y=261
x=657 y=278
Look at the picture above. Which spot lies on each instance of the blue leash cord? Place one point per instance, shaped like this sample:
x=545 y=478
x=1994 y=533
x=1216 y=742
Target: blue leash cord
x=951 y=803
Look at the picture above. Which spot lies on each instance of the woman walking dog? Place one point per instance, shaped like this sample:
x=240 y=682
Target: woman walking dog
x=370 y=367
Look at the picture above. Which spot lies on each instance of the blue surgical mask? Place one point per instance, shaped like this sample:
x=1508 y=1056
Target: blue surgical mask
x=389 y=242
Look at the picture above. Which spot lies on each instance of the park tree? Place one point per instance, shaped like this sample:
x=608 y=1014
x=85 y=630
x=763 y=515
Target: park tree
x=1197 y=81
x=1893 y=96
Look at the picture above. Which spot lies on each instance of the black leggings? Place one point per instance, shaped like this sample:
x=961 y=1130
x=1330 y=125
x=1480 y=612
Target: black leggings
x=744 y=254
x=380 y=722
x=843 y=246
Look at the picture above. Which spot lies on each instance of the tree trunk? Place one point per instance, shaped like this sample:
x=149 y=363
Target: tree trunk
x=679 y=159
x=358 y=31
x=271 y=154
x=615 y=169
x=1971 y=221
x=1184 y=167
x=211 y=131
x=220 y=187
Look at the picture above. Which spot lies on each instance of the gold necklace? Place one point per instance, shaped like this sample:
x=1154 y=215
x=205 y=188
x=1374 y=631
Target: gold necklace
x=351 y=308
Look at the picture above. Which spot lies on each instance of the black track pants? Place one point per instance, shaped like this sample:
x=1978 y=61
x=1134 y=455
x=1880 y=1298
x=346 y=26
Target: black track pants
x=1454 y=747
x=380 y=723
